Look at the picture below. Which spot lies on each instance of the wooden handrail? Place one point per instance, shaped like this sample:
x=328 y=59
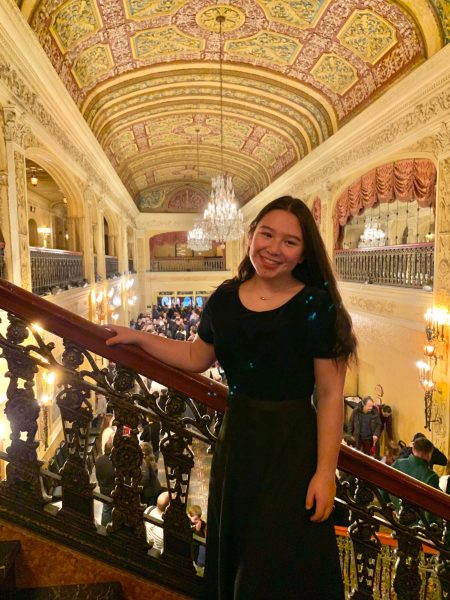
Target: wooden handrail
x=92 y=337
x=88 y=335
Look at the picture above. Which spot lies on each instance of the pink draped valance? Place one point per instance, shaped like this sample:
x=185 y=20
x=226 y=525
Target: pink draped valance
x=404 y=180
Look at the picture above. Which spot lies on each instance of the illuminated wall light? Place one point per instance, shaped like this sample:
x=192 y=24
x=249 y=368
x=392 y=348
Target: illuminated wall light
x=51 y=377
x=111 y=293
x=116 y=301
x=99 y=298
x=115 y=316
x=37 y=328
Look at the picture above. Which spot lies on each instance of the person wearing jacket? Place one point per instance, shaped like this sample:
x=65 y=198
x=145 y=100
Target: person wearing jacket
x=365 y=425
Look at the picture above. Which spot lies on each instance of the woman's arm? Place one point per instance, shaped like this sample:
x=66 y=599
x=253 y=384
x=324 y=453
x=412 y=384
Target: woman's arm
x=330 y=377
x=194 y=356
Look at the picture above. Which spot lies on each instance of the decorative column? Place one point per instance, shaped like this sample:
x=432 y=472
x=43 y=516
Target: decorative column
x=87 y=241
x=19 y=253
x=441 y=295
x=101 y=267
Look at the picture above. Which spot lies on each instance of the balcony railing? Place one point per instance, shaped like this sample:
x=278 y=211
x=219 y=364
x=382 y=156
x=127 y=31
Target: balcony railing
x=410 y=266
x=55 y=270
x=196 y=263
x=364 y=496
x=112 y=267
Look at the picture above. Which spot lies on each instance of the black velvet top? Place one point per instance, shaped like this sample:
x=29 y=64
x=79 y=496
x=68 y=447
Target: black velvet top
x=269 y=355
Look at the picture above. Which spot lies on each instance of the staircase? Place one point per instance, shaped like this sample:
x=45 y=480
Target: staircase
x=121 y=553
x=9 y=554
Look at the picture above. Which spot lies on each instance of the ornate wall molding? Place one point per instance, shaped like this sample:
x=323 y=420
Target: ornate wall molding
x=3 y=178
x=421 y=114
x=14 y=128
x=370 y=305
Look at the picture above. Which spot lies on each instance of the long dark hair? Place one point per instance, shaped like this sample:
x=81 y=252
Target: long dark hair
x=314 y=270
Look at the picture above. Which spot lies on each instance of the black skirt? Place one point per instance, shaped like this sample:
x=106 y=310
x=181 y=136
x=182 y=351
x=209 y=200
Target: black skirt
x=261 y=544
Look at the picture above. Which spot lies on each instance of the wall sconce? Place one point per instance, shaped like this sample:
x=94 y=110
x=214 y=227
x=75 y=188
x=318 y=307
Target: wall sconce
x=437 y=322
x=45 y=232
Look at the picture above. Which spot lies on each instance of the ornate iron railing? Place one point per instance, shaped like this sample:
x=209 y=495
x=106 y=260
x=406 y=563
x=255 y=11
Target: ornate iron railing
x=112 y=267
x=55 y=270
x=26 y=352
x=409 y=266
x=2 y=260
x=196 y=263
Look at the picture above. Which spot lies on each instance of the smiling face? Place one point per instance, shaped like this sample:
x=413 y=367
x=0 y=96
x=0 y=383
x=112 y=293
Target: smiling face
x=276 y=245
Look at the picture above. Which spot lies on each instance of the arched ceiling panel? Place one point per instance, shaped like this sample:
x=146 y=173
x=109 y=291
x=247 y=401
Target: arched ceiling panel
x=145 y=76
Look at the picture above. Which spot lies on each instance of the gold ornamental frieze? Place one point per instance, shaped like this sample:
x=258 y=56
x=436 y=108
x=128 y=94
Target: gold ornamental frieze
x=368 y=35
x=73 y=22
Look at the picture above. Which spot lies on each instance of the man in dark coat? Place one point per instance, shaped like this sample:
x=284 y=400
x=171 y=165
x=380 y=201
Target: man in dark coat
x=365 y=425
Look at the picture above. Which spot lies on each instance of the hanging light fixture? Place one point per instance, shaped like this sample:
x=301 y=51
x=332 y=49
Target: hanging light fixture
x=197 y=238
x=222 y=220
x=33 y=179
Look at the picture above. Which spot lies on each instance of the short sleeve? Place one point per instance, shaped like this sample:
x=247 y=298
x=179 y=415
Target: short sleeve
x=205 y=328
x=320 y=325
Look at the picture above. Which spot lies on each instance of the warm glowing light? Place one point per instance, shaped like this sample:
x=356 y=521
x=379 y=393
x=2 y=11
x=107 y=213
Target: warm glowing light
x=115 y=316
x=111 y=293
x=45 y=399
x=36 y=327
x=99 y=297
x=51 y=376
x=34 y=180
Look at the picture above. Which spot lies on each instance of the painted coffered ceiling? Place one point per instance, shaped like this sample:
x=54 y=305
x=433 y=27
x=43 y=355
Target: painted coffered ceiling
x=145 y=76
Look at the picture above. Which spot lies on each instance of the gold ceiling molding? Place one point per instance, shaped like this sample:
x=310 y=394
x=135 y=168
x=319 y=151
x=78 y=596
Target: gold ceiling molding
x=207 y=18
x=165 y=41
x=296 y=14
x=266 y=46
x=92 y=63
x=368 y=35
x=166 y=73
x=75 y=21
x=295 y=70
x=335 y=72
x=139 y=9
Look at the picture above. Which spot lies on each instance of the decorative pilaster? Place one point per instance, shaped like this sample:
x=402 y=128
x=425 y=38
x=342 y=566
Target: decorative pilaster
x=19 y=256
x=101 y=268
x=441 y=397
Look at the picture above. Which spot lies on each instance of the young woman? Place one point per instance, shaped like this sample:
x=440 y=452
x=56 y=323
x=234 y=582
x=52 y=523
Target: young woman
x=280 y=331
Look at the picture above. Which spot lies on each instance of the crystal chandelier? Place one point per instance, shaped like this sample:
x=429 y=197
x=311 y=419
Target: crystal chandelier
x=373 y=235
x=222 y=220
x=197 y=240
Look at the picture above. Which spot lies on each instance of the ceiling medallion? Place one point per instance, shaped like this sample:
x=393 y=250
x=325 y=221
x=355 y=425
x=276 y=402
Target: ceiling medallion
x=233 y=18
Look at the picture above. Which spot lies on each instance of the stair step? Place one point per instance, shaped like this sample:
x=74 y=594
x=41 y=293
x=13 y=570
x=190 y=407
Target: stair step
x=83 y=591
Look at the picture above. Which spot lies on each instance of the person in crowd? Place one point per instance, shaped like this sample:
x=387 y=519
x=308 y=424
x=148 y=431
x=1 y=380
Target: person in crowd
x=105 y=474
x=417 y=465
x=198 y=526
x=365 y=426
x=387 y=433
x=279 y=328
x=107 y=431
x=391 y=453
x=151 y=487
x=155 y=533
x=437 y=457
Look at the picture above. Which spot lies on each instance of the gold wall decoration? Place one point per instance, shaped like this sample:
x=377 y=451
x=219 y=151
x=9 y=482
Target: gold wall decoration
x=152 y=199
x=302 y=14
x=165 y=41
x=74 y=22
x=266 y=45
x=334 y=72
x=92 y=64
x=207 y=18
x=144 y=9
x=443 y=11
x=368 y=35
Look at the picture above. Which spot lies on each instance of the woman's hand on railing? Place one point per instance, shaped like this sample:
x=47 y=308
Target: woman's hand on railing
x=122 y=335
